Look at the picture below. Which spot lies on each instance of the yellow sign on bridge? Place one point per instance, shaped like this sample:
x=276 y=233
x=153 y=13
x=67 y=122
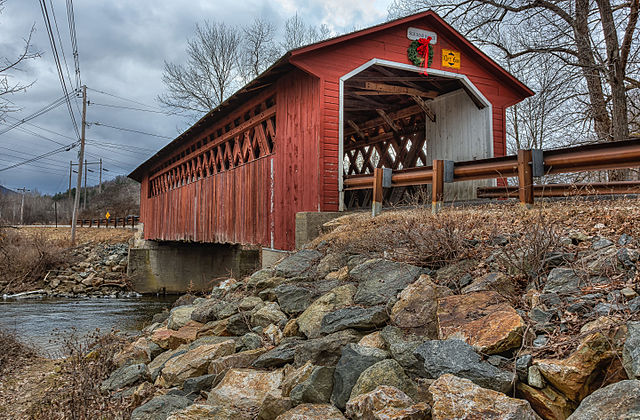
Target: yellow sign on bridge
x=107 y=215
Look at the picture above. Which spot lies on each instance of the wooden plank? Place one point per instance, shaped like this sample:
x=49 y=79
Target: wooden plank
x=387 y=89
x=525 y=178
x=437 y=186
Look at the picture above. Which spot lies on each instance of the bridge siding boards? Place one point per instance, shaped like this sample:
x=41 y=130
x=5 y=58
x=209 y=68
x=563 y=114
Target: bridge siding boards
x=256 y=202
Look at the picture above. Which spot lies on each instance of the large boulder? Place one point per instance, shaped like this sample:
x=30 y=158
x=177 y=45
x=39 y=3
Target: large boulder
x=268 y=314
x=157 y=364
x=562 y=281
x=310 y=321
x=631 y=351
x=125 y=377
x=458 y=398
x=576 y=375
x=160 y=407
x=386 y=402
x=402 y=348
x=245 y=389
x=179 y=316
x=316 y=388
x=243 y=359
x=299 y=264
x=380 y=280
x=274 y=404
x=456 y=275
x=547 y=402
x=167 y=338
x=294 y=299
x=415 y=311
x=193 y=363
x=354 y=317
x=458 y=358
x=496 y=282
x=294 y=376
x=278 y=356
x=204 y=411
x=312 y=412
x=206 y=311
x=482 y=319
x=387 y=372
x=354 y=360
x=617 y=401
x=139 y=351
x=324 y=351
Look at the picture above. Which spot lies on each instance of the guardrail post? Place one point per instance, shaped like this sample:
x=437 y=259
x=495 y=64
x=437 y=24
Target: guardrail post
x=376 y=201
x=437 y=186
x=525 y=178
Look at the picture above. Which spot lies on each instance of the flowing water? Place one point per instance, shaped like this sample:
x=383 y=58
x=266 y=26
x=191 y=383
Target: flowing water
x=40 y=322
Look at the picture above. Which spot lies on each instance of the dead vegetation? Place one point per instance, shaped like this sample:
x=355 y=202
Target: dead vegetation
x=13 y=353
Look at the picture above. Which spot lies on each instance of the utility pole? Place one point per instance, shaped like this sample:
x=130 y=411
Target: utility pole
x=76 y=202
x=100 y=187
x=22 y=190
x=84 y=206
x=70 y=172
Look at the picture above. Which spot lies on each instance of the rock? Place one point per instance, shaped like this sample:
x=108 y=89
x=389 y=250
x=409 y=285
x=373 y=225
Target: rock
x=416 y=308
x=372 y=340
x=631 y=351
x=259 y=278
x=380 y=280
x=294 y=376
x=312 y=412
x=299 y=264
x=617 y=401
x=482 y=319
x=244 y=359
x=456 y=276
x=193 y=363
x=628 y=293
x=562 y=281
x=310 y=321
x=386 y=372
x=354 y=360
x=628 y=257
x=291 y=329
x=274 y=405
x=204 y=411
x=458 y=358
x=330 y=263
x=574 y=376
x=244 y=389
x=248 y=303
x=160 y=407
x=522 y=367
x=125 y=377
x=625 y=239
x=324 y=351
x=238 y=324
x=273 y=334
x=133 y=353
x=268 y=314
x=600 y=244
x=540 y=341
x=279 y=356
x=186 y=299
x=294 y=299
x=354 y=317
x=179 y=316
x=193 y=386
x=547 y=402
x=171 y=339
x=158 y=363
x=534 y=377
x=496 y=282
x=402 y=350
x=338 y=275
x=316 y=388
x=207 y=311
x=458 y=398
x=386 y=402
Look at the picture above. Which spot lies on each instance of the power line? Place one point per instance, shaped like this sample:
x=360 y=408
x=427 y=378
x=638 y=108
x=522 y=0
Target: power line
x=124 y=99
x=53 y=105
x=130 y=130
x=74 y=41
x=135 y=109
x=44 y=155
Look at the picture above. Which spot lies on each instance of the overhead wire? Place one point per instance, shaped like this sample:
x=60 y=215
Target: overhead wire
x=51 y=153
x=74 y=41
x=130 y=130
x=134 y=108
x=124 y=99
x=53 y=105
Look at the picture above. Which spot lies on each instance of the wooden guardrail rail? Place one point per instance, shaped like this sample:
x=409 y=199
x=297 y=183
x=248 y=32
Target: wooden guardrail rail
x=526 y=165
x=114 y=222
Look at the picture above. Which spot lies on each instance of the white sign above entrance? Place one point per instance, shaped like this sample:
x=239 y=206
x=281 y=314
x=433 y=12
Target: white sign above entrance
x=415 y=33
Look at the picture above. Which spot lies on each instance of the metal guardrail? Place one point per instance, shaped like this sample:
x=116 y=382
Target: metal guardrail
x=114 y=222
x=564 y=190
x=525 y=165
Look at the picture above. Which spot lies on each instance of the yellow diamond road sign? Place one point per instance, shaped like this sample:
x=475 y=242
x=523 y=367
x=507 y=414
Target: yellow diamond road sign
x=107 y=215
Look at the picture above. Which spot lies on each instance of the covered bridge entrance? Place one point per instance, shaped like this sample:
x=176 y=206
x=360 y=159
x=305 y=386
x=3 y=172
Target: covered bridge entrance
x=283 y=144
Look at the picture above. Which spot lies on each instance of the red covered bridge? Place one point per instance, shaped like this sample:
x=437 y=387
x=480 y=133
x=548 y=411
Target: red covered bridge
x=283 y=143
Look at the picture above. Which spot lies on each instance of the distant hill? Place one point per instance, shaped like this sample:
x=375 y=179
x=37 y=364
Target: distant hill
x=6 y=191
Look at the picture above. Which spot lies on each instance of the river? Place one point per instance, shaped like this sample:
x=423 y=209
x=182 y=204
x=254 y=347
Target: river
x=39 y=321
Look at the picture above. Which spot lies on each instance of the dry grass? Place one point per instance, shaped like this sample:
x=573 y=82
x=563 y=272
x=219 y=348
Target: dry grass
x=83 y=235
x=13 y=353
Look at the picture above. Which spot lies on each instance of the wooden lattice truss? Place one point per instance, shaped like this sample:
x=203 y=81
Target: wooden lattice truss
x=221 y=149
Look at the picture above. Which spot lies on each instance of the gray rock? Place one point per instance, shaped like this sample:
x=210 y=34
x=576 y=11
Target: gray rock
x=279 y=356
x=268 y=314
x=625 y=239
x=617 y=401
x=601 y=243
x=402 y=350
x=386 y=372
x=299 y=264
x=329 y=263
x=160 y=317
x=522 y=367
x=354 y=317
x=562 y=280
x=628 y=257
x=316 y=388
x=540 y=341
x=157 y=364
x=631 y=350
x=179 y=316
x=534 y=377
x=541 y=318
x=193 y=386
x=294 y=299
x=354 y=360
x=457 y=275
x=238 y=324
x=603 y=308
x=256 y=280
x=459 y=358
x=125 y=377
x=324 y=351
x=249 y=341
x=634 y=304
x=206 y=311
x=380 y=280
x=160 y=407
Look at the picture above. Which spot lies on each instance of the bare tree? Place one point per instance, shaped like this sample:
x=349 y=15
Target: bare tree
x=9 y=65
x=258 y=49
x=297 y=33
x=595 y=39
x=209 y=74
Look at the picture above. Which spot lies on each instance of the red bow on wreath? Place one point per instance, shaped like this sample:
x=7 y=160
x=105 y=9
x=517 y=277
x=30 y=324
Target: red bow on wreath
x=423 y=51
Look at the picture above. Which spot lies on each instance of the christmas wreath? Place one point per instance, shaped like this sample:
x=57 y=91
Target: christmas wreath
x=418 y=50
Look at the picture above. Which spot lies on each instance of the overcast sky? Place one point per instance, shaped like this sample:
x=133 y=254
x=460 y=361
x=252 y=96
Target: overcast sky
x=122 y=45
